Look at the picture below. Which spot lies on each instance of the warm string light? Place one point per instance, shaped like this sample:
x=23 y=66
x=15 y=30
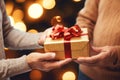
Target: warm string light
x=32 y=31
x=20 y=26
x=35 y=10
x=18 y=15
x=69 y=75
x=35 y=75
x=49 y=4
x=56 y=20
x=11 y=20
x=9 y=7
x=76 y=0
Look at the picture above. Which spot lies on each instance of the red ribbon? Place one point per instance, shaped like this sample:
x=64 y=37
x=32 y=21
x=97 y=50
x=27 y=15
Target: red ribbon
x=59 y=31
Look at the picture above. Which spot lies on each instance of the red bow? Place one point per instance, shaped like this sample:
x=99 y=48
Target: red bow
x=59 y=31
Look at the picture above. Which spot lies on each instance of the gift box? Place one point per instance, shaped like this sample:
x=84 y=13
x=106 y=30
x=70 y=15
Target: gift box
x=73 y=48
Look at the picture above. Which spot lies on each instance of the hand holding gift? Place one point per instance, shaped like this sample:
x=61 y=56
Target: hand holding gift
x=106 y=56
x=45 y=62
x=44 y=36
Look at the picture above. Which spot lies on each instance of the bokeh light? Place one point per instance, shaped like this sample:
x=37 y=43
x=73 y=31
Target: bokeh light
x=9 y=7
x=11 y=20
x=69 y=76
x=76 y=0
x=6 y=48
x=18 y=15
x=35 y=75
x=20 y=26
x=35 y=11
x=56 y=20
x=33 y=31
x=49 y=4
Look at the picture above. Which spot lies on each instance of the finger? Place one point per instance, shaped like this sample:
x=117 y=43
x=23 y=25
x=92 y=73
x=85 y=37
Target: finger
x=65 y=61
x=58 y=64
x=76 y=61
x=97 y=49
x=88 y=64
x=47 y=56
x=93 y=60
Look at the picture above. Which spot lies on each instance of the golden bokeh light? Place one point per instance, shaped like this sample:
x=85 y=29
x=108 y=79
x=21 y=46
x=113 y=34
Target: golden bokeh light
x=20 y=26
x=9 y=7
x=11 y=20
x=76 y=0
x=33 y=31
x=18 y=15
x=6 y=48
x=35 y=11
x=49 y=4
x=56 y=20
x=69 y=76
x=35 y=75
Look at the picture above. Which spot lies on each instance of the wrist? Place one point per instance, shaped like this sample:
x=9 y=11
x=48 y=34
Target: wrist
x=29 y=62
x=42 y=39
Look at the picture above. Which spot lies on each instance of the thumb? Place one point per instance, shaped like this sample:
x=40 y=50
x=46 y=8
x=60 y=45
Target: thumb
x=42 y=39
x=96 y=49
x=48 y=56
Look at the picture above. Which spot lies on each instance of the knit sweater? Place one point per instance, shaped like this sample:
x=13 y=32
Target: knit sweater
x=102 y=18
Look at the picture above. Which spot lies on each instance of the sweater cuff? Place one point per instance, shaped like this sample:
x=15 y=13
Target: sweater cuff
x=20 y=66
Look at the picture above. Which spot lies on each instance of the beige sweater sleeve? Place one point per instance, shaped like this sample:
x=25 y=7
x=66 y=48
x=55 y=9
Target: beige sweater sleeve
x=88 y=15
x=12 y=67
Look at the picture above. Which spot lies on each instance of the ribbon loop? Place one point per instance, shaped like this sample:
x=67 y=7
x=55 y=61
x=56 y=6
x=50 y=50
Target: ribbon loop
x=59 y=31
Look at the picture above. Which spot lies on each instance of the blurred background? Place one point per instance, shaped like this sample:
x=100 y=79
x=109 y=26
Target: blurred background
x=35 y=16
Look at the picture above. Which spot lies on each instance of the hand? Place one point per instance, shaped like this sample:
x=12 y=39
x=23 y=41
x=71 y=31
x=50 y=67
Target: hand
x=44 y=35
x=105 y=57
x=45 y=61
